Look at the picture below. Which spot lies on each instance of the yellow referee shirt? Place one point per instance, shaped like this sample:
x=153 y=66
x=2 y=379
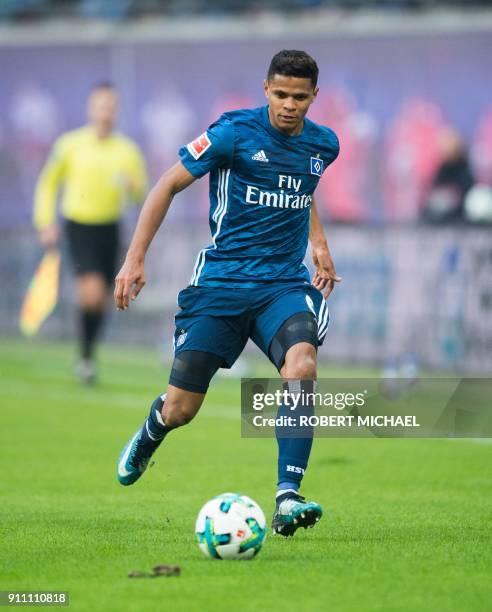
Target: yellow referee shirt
x=95 y=174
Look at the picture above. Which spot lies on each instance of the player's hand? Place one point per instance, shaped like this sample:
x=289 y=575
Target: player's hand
x=49 y=236
x=325 y=275
x=129 y=282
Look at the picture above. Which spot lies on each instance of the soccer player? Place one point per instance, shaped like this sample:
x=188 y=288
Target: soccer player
x=100 y=170
x=251 y=282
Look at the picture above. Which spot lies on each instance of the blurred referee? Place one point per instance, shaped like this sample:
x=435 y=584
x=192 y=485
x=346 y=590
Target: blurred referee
x=100 y=170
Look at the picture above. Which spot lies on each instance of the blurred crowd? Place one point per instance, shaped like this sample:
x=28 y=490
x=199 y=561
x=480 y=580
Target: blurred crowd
x=414 y=168
x=424 y=174
x=413 y=113
x=129 y=9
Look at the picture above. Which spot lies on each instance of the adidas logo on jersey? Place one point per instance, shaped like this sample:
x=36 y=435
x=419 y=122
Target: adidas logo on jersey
x=260 y=156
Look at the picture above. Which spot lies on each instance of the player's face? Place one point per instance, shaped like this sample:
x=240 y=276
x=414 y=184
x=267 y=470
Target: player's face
x=289 y=99
x=102 y=108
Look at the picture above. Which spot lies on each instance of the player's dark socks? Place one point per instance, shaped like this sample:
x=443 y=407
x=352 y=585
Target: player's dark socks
x=90 y=324
x=136 y=455
x=285 y=494
x=294 y=442
x=286 y=488
x=155 y=429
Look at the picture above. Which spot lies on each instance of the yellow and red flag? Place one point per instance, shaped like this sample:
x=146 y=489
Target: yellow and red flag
x=42 y=294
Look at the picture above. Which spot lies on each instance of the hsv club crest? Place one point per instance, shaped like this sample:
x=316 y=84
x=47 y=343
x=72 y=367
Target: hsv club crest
x=316 y=166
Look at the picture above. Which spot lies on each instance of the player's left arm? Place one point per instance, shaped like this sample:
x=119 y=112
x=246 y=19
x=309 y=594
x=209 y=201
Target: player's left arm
x=325 y=275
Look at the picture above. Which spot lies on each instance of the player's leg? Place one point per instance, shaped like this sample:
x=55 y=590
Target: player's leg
x=202 y=345
x=294 y=444
x=295 y=353
x=292 y=347
x=173 y=409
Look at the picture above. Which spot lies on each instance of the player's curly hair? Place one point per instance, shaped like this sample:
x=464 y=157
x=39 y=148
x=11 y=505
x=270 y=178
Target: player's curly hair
x=294 y=63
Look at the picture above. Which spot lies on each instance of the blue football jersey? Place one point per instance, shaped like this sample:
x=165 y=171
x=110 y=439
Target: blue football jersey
x=261 y=189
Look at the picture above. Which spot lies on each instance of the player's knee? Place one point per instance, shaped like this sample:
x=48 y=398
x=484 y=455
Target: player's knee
x=300 y=363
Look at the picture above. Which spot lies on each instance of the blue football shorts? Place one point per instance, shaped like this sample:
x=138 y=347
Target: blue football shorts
x=220 y=321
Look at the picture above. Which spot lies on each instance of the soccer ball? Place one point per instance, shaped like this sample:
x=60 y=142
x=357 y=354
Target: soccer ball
x=230 y=526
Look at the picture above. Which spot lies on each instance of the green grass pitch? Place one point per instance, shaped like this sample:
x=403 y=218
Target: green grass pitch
x=406 y=525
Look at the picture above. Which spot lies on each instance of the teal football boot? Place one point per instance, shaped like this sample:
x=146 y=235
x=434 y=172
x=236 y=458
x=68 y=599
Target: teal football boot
x=293 y=512
x=135 y=457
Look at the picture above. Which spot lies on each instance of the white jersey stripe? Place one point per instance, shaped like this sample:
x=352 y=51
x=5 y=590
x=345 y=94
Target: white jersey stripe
x=323 y=334
x=220 y=195
x=322 y=316
x=199 y=271
x=323 y=328
x=201 y=255
x=320 y=312
x=219 y=198
x=323 y=325
x=223 y=210
x=197 y=262
x=322 y=319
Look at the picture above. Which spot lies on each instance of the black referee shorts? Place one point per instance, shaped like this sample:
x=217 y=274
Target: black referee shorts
x=93 y=248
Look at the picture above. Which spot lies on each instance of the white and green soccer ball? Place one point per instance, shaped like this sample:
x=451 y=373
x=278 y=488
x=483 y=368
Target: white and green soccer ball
x=230 y=526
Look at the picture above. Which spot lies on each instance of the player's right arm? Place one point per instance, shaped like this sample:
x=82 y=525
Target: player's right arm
x=46 y=193
x=212 y=149
x=131 y=277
